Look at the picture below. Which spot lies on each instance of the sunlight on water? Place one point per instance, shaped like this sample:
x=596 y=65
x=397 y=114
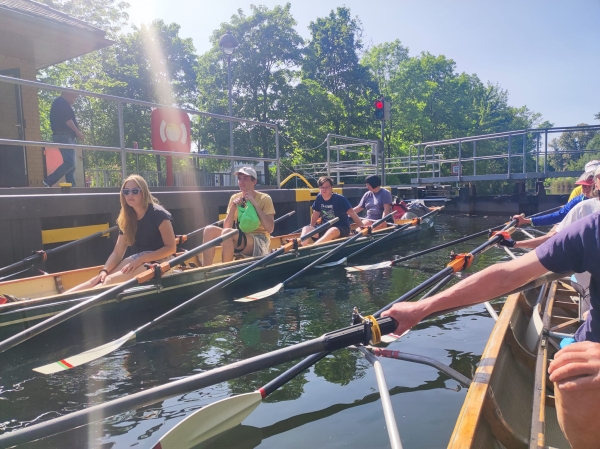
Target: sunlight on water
x=333 y=404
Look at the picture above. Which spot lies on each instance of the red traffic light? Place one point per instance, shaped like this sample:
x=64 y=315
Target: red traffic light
x=378 y=104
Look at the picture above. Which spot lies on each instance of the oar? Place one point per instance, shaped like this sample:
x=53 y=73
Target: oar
x=352 y=335
x=179 y=239
x=42 y=255
x=271 y=291
x=391 y=263
x=100 y=351
x=399 y=228
x=225 y=414
x=85 y=305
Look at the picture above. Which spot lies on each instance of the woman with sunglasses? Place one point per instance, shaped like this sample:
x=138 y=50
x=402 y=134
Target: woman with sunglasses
x=145 y=227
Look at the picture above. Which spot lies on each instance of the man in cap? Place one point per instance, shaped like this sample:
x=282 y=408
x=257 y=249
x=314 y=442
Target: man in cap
x=586 y=181
x=254 y=243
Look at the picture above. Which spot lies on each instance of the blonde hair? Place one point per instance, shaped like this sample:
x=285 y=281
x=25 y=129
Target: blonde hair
x=127 y=219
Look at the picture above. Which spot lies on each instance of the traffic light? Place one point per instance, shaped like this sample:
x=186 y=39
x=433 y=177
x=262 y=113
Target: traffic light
x=379 y=108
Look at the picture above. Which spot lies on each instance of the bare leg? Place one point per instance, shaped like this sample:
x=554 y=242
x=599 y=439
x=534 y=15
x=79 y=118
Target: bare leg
x=249 y=249
x=116 y=277
x=577 y=410
x=306 y=230
x=210 y=233
x=330 y=234
x=227 y=249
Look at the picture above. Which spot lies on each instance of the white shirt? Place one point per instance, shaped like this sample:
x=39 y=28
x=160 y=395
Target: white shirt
x=581 y=210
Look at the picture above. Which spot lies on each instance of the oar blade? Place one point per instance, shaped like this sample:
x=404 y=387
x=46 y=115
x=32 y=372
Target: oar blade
x=375 y=266
x=84 y=357
x=210 y=421
x=332 y=264
x=261 y=295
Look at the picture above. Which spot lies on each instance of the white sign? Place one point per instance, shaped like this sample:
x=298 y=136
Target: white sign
x=457 y=169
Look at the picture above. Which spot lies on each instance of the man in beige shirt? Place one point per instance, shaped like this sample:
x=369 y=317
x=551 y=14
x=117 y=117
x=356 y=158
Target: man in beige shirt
x=255 y=243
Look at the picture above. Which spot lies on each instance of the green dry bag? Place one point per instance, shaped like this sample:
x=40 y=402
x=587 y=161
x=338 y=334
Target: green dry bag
x=248 y=218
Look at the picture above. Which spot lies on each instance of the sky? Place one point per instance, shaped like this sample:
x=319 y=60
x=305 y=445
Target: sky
x=544 y=53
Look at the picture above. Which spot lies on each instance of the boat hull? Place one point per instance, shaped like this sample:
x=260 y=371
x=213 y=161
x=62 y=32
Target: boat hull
x=175 y=287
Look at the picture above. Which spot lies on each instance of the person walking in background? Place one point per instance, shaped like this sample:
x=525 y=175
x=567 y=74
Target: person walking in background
x=64 y=130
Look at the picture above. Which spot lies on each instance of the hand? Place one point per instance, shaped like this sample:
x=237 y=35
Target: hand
x=80 y=136
x=239 y=201
x=576 y=367
x=509 y=243
x=100 y=278
x=521 y=221
x=133 y=265
x=249 y=197
x=407 y=314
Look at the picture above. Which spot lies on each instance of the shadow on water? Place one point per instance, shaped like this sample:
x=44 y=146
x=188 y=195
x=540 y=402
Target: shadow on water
x=220 y=331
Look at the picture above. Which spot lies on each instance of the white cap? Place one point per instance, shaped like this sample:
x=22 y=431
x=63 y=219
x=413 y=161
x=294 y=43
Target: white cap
x=247 y=171
x=592 y=165
x=597 y=172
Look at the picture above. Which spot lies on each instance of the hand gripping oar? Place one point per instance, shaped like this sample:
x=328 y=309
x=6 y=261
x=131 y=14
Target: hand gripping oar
x=83 y=306
x=367 y=332
x=399 y=229
x=100 y=351
x=271 y=291
x=179 y=239
x=391 y=263
x=43 y=255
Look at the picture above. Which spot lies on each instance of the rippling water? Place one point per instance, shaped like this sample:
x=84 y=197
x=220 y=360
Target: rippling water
x=335 y=404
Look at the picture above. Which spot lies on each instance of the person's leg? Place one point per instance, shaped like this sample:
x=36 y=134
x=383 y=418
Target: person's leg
x=248 y=250
x=211 y=233
x=70 y=159
x=306 y=230
x=116 y=277
x=576 y=412
x=227 y=248
x=330 y=234
x=68 y=165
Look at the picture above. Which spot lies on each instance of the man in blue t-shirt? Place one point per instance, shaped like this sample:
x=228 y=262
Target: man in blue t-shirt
x=576 y=368
x=377 y=202
x=327 y=206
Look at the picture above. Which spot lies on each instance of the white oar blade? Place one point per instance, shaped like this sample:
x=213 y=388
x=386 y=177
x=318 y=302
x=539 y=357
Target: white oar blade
x=210 y=421
x=391 y=338
x=84 y=357
x=332 y=264
x=375 y=266
x=261 y=295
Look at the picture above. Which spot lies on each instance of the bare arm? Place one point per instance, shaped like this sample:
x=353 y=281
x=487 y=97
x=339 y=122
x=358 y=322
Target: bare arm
x=169 y=248
x=387 y=209
x=358 y=209
x=490 y=283
x=71 y=125
x=534 y=243
x=354 y=217
x=314 y=217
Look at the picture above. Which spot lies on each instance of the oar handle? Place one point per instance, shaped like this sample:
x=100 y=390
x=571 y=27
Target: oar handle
x=284 y=217
x=183 y=238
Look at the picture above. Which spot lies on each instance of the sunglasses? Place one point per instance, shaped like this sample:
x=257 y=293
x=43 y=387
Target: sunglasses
x=130 y=191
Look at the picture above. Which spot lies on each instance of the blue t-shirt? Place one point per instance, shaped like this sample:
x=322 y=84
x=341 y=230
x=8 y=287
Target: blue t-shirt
x=556 y=217
x=336 y=206
x=374 y=202
x=577 y=248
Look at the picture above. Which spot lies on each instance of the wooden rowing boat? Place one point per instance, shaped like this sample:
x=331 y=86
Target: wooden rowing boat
x=510 y=403
x=44 y=297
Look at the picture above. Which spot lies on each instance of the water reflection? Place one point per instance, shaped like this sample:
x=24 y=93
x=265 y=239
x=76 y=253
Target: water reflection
x=221 y=331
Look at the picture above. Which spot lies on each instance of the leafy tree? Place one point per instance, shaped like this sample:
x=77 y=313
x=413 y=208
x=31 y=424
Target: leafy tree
x=263 y=70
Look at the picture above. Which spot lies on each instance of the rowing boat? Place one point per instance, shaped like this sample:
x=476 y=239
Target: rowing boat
x=510 y=403
x=44 y=297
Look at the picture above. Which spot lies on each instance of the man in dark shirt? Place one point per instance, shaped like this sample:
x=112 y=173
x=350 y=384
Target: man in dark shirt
x=64 y=130
x=576 y=368
x=327 y=206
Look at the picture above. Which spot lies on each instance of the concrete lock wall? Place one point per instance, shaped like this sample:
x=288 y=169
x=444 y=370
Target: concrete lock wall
x=23 y=217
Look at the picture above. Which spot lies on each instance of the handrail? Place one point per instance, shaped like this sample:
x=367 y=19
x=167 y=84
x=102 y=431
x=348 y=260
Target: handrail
x=296 y=175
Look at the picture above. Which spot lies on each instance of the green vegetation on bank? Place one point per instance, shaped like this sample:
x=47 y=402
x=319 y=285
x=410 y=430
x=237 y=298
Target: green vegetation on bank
x=308 y=87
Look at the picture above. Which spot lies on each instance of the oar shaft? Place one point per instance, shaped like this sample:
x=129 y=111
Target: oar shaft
x=332 y=341
x=291 y=373
x=30 y=260
x=398 y=230
x=82 y=240
x=85 y=305
x=337 y=249
x=223 y=283
x=198 y=231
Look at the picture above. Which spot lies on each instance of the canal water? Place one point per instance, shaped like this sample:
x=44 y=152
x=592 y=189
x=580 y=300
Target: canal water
x=334 y=404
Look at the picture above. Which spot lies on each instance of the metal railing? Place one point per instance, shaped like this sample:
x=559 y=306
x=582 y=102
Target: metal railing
x=122 y=149
x=526 y=136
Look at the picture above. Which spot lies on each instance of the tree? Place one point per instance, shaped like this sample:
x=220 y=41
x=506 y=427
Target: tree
x=263 y=70
x=332 y=60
